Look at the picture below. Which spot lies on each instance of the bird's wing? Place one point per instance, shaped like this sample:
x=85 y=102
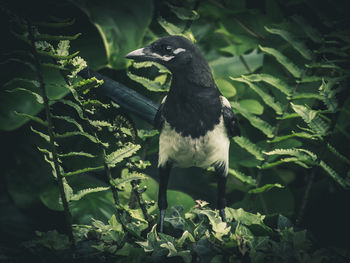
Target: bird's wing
x=229 y=118
x=159 y=118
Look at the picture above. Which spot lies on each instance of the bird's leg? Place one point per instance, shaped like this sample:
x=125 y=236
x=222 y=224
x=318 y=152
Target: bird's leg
x=164 y=172
x=221 y=173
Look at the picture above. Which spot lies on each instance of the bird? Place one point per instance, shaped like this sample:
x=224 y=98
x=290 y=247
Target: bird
x=195 y=121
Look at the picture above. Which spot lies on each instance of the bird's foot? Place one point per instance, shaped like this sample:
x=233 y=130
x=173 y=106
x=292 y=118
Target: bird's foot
x=222 y=214
x=162 y=216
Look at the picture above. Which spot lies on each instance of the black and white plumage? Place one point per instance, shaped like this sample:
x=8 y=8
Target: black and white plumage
x=195 y=121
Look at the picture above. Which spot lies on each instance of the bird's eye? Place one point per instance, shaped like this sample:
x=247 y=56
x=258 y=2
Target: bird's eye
x=166 y=49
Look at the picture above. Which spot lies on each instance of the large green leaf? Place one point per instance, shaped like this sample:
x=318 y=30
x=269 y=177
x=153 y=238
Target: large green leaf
x=121 y=24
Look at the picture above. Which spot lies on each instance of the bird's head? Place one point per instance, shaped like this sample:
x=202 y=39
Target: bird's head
x=173 y=52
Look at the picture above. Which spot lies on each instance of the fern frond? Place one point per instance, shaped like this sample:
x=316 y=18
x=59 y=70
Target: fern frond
x=258 y=123
x=80 y=194
x=56 y=24
x=84 y=134
x=42 y=135
x=75 y=106
x=334 y=175
x=273 y=81
x=84 y=170
x=283 y=60
x=295 y=43
x=301 y=154
x=317 y=125
x=128 y=178
x=310 y=31
x=305 y=95
x=31 y=117
x=55 y=56
x=19 y=61
x=68 y=191
x=282 y=161
x=268 y=99
x=38 y=97
x=70 y=154
x=119 y=155
x=303 y=135
x=242 y=177
x=70 y=120
x=252 y=148
x=338 y=154
x=147 y=83
x=144 y=134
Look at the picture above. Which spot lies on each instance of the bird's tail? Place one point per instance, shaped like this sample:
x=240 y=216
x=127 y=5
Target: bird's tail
x=125 y=97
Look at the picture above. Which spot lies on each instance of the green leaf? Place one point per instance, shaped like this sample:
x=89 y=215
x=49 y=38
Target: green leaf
x=175 y=217
x=225 y=87
x=252 y=148
x=48 y=37
x=183 y=13
x=117 y=182
x=272 y=80
x=119 y=155
x=301 y=154
x=185 y=254
x=33 y=118
x=295 y=43
x=42 y=135
x=185 y=236
x=303 y=135
x=122 y=25
x=338 y=154
x=242 y=177
x=252 y=106
x=258 y=123
x=147 y=83
x=75 y=106
x=264 y=188
x=317 y=125
x=81 y=193
x=284 y=61
x=172 y=29
x=306 y=95
x=310 y=31
x=246 y=218
x=38 y=97
x=76 y=133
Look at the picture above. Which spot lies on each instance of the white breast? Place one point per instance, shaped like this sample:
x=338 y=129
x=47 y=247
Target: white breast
x=203 y=152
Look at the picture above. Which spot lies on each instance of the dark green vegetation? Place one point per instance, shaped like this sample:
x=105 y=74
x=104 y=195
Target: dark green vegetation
x=78 y=174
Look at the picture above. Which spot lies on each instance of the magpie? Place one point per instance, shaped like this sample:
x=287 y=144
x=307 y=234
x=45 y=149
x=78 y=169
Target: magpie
x=194 y=120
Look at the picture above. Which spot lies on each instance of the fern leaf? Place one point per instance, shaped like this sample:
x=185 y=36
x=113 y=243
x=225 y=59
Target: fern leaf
x=273 y=81
x=317 y=125
x=311 y=32
x=304 y=135
x=328 y=94
x=264 y=188
x=99 y=124
x=31 y=117
x=128 y=178
x=84 y=170
x=119 y=155
x=337 y=154
x=75 y=106
x=252 y=148
x=38 y=97
x=295 y=43
x=56 y=24
x=85 y=134
x=68 y=191
x=306 y=79
x=258 y=123
x=288 y=116
x=282 y=161
x=147 y=83
x=268 y=99
x=42 y=135
x=70 y=120
x=80 y=194
x=334 y=175
x=55 y=56
x=144 y=134
x=301 y=154
x=242 y=177
x=172 y=29
x=19 y=61
x=63 y=48
x=305 y=95
x=284 y=61
x=70 y=154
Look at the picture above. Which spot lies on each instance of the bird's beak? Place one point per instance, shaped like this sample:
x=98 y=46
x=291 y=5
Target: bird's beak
x=137 y=54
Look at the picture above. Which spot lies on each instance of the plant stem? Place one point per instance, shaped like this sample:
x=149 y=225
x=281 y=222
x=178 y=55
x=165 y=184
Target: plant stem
x=67 y=213
x=189 y=22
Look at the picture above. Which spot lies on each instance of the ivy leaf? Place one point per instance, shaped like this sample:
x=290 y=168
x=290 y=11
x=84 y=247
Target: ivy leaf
x=172 y=29
x=247 y=218
x=175 y=217
x=185 y=254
